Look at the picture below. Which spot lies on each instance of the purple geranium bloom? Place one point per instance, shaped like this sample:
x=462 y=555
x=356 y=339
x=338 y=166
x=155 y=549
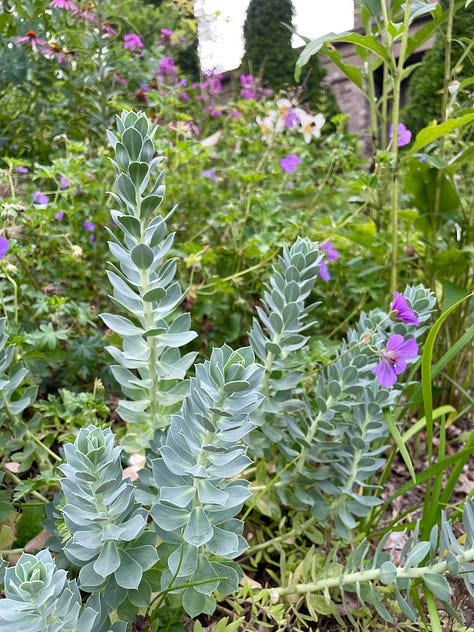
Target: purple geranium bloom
x=40 y=198
x=59 y=215
x=89 y=226
x=4 y=246
x=63 y=182
x=290 y=118
x=21 y=169
x=324 y=271
x=289 y=163
x=394 y=359
x=209 y=173
x=404 y=135
x=399 y=305
x=331 y=253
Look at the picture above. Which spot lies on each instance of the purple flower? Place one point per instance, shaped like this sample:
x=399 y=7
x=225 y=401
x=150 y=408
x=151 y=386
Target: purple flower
x=394 y=359
x=331 y=253
x=166 y=32
x=184 y=96
x=40 y=198
x=59 y=215
x=133 y=42
x=63 y=182
x=4 y=246
x=21 y=169
x=289 y=163
x=404 y=135
x=89 y=226
x=210 y=174
x=399 y=305
x=290 y=118
x=167 y=67
x=324 y=271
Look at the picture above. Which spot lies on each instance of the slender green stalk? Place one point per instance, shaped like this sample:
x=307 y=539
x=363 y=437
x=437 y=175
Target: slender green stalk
x=281 y=538
x=369 y=575
x=397 y=82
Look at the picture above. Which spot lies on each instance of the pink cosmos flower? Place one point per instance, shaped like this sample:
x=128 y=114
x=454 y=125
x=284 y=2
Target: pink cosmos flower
x=394 y=359
x=32 y=39
x=399 y=305
x=64 y=4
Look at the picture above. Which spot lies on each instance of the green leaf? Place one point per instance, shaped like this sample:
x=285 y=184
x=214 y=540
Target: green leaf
x=129 y=573
x=138 y=172
x=417 y=554
x=198 y=530
x=429 y=134
x=311 y=49
x=133 y=141
x=438 y=586
x=388 y=573
x=121 y=325
x=142 y=256
x=149 y=205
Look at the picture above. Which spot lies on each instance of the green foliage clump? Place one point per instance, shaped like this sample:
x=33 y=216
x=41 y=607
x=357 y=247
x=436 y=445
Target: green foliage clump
x=426 y=84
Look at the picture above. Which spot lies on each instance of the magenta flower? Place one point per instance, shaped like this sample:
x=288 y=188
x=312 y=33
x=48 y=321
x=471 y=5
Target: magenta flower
x=289 y=163
x=404 y=135
x=32 y=39
x=167 y=67
x=210 y=174
x=4 y=246
x=394 y=359
x=40 y=198
x=132 y=42
x=89 y=226
x=399 y=305
x=331 y=253
x=64 y=4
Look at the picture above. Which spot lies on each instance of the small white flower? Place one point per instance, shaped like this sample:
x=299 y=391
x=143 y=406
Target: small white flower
x=310 y=125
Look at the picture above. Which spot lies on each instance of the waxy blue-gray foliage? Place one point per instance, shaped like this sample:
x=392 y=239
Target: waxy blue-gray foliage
x=150 y=368
x=40 y=598
x=335 y=431
x=198 y=494
x=177 y=529
x=109 y=541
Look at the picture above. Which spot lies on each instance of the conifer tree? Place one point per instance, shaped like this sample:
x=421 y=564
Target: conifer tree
x=270 y=56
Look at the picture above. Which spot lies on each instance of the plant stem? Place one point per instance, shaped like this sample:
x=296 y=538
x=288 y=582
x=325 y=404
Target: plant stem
x=397 y=82
x=281 y=538
x=369 y=575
